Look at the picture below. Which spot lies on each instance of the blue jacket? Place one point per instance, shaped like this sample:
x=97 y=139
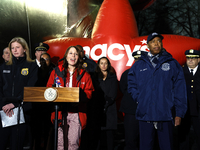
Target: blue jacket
x=159 y=91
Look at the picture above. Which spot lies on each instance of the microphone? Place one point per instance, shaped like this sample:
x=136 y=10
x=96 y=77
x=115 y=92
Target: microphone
x=54 y=85
x=61 y=59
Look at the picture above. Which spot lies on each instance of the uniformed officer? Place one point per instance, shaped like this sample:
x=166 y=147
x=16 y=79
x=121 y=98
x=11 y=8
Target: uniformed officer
x=192 y=76
x=6 y=54
x=40 y=48
x=128 y=107
x=88 y=64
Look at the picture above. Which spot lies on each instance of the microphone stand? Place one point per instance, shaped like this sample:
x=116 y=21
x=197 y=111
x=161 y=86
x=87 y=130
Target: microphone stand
x=18 y=124
x=56 y=114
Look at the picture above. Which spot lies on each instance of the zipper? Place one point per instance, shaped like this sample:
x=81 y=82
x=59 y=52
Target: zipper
x=13 y=89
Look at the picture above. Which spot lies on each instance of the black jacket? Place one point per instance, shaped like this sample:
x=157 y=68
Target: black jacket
x=103 y=106
x=128 y=105
x=193 y=90
x=13 y=79
x=89 y=65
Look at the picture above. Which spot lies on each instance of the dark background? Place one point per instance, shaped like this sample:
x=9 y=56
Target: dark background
x=42 y=20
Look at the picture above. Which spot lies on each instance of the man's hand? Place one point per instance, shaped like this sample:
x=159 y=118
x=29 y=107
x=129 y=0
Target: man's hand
x=177 y=121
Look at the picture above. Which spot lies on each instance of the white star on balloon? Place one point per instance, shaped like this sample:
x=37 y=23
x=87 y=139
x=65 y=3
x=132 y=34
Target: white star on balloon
x=144 y=41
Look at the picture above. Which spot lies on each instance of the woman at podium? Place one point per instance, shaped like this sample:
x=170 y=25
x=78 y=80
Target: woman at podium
x=18 y=72
x=71 y=74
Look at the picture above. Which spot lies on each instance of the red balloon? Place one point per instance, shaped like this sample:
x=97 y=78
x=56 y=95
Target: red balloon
x=115 y=35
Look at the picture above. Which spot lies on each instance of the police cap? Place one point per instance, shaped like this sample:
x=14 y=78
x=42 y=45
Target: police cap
x=137 y=54
x=192 y=53
x=41 y=47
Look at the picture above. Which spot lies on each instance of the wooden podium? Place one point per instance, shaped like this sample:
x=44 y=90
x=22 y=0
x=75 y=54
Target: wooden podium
x=47 y=94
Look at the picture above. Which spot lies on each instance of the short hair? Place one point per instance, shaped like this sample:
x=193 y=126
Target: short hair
x=46 y=54
x=5 y=49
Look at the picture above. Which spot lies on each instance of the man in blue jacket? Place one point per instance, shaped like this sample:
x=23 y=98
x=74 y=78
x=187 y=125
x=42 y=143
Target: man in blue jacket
x=156 y=82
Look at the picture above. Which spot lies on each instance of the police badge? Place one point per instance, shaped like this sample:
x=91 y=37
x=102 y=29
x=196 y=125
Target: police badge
x=24 y=71
x=84 y=65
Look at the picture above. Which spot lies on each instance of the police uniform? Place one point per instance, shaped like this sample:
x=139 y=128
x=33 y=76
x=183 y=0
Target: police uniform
x=41 y=47
x=128 y=107
x=193 y=90
x=42 y=111
x=89 y=65
x=13 y=79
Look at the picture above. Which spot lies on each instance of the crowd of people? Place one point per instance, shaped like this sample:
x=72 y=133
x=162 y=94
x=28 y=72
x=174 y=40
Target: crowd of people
x=160 y=100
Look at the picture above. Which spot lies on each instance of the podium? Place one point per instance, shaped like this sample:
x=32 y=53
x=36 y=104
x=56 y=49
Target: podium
x=52 y=95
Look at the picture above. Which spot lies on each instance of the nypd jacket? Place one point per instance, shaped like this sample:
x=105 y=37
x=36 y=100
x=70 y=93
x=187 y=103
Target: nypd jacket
x=158 y=91
x=13 y=79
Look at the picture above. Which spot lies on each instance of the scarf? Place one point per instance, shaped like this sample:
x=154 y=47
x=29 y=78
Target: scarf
x=74 y=75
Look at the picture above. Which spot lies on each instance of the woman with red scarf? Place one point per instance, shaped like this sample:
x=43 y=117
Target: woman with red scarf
x=71 y=74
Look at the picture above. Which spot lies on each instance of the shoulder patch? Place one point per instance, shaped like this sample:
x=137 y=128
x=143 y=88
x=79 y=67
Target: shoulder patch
x=84 y=65
x=165 y=67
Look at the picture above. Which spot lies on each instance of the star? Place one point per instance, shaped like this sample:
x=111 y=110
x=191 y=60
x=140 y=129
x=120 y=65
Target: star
x=144 y=41
x=115 y=35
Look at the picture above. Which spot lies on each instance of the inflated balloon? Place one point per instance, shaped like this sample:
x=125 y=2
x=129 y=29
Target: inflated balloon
x=115 y=35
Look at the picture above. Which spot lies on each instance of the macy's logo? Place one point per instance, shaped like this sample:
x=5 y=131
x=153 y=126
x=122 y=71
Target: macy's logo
x=108 y=51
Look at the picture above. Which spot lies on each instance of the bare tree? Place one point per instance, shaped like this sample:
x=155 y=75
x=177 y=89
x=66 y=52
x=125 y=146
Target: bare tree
x=179 y=17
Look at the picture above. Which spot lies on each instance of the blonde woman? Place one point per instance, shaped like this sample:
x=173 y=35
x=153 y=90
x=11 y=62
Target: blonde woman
x=18 y=72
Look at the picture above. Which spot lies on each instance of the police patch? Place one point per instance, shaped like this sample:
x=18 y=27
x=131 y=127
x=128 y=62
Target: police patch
x=165 y=67
x=24 y=71
x=85 y=65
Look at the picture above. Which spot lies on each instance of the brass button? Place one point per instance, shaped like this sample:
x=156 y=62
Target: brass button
x=192 y=80
x=191 y=91
x=192 y=86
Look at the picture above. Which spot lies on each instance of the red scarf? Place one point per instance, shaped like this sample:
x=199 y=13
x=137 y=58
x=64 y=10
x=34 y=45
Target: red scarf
x=73 y=79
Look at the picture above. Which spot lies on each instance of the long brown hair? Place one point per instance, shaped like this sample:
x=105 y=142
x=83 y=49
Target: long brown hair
x=79 y=63
x=24 y=45
x=110 y=69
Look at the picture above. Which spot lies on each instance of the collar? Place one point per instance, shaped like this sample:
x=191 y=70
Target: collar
x=19 y=60
x=38 y=63
x=150 y=55
x=194 y=70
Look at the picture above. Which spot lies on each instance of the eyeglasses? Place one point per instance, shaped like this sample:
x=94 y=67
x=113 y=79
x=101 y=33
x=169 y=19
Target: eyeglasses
x=45 y=58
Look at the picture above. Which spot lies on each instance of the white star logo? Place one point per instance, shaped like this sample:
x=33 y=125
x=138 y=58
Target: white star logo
x=144 y=41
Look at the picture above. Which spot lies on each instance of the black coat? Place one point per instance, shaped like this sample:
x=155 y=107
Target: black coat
x=89 y=65
x=13 y=79
x=128 y=105
x=193 y=90
x=102 y=105
x=43 y=75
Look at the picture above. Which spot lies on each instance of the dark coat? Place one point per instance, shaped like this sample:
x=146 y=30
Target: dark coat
x=89 y=65
x=103 y=103
x=13 y=79
x=43 y=75
x=158 y=90
x=193 y=90
x=128 y=105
